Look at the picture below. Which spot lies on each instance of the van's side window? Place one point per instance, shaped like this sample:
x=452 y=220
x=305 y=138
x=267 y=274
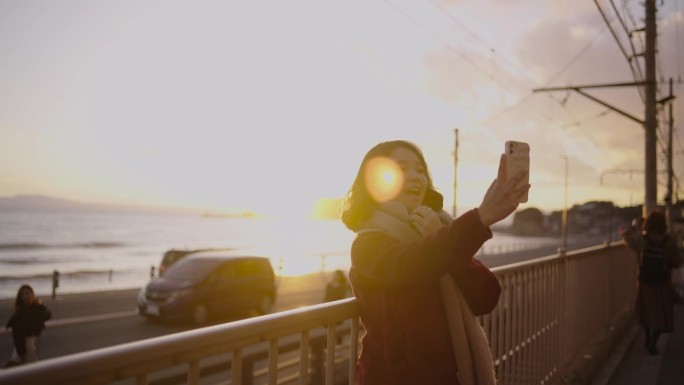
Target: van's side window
x=247 y=268
x=225 y=273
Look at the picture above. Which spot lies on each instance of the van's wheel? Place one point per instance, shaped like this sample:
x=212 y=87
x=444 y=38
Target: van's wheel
x=265 y=305
x=200 y=314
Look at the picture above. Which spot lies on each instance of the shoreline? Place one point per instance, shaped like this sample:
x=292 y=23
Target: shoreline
x=71 y=296
x=522 y=249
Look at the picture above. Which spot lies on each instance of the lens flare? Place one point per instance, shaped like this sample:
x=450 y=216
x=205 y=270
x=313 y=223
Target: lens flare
x=384 y=179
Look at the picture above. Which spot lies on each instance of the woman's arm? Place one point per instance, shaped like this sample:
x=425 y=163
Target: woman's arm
x=385 y=261
x=632 y=239
x=479 y=286
x=45 y=313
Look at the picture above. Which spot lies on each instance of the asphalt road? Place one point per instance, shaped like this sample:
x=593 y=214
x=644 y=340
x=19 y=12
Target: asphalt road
x=88 y=321
x=83 y=322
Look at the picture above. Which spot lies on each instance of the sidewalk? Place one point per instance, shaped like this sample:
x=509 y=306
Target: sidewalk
x=632 y=365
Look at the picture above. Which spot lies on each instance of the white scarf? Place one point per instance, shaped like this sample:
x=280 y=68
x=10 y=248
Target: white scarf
x=469 y=341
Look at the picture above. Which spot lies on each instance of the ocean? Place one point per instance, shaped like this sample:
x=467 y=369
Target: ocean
x=98 y=251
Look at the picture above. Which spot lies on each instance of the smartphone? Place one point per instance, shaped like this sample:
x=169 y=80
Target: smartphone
x=434 y=200
x=518 y=159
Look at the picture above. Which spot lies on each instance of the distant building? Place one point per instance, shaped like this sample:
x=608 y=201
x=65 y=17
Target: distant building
x=528 y=222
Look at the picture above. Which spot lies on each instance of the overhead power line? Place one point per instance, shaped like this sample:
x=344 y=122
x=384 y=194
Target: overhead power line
x=465 y=58
x=636 y=73
x=522 y=99
x=564 y=68
x=631 y=43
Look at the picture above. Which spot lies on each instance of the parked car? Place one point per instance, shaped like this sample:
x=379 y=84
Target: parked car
x=210 y=283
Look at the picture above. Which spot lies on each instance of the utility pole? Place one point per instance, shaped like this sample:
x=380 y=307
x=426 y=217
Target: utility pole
x=650 y=165
x=453 y=211
x=670 y=171
x=649 y=122
x=564 y=242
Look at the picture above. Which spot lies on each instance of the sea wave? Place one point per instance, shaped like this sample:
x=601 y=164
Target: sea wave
x=43 y=246
x=32 y=260
x=62 y=274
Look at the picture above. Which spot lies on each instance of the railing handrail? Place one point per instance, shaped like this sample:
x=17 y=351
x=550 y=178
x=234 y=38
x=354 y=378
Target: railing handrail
x=139 y=358
x=512 y=267
x=227 y=336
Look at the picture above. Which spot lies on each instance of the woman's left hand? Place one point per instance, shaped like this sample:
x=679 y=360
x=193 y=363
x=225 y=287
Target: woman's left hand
x=425 y=220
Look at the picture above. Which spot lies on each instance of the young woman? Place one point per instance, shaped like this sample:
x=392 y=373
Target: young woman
x=414 y=274
x=27 y=322
x=655 y=298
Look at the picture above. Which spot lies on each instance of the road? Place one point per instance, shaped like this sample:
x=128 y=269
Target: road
x=83 y=322
x=88 y=321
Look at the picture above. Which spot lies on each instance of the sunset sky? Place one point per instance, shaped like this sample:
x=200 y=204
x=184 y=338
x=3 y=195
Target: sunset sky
x=269 y=106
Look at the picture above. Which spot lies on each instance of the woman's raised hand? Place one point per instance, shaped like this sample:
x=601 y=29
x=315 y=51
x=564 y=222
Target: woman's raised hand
x=502 y=197
x=425 y=219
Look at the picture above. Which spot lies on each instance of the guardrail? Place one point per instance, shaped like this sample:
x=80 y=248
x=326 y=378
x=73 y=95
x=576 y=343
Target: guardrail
x=553 y=307
x=550 y=309
x=139 y=360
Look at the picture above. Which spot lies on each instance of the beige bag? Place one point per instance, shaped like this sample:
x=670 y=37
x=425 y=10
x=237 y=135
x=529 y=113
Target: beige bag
x=31 y=353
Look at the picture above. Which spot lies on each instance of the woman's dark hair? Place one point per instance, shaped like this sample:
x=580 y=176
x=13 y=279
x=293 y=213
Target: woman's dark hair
x=359 y=204
x=655 y=222
x=18 y=302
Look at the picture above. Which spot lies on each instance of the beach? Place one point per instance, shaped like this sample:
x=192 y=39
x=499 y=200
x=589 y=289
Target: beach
x=111 y=251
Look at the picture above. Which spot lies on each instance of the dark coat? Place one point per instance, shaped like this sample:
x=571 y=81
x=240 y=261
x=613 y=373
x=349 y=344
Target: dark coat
x=27 y=321
x=655 y=303
x=397 y=285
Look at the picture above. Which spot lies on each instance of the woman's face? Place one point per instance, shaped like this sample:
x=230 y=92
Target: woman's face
x=26 y=296
x=414 y=186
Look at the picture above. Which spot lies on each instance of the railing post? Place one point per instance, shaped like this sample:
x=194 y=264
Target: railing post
x=247 y=372
x=317 y=363
x=608 y=287
x=563 y=306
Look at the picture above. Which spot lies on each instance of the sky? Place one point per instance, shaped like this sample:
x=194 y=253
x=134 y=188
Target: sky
x=270 y=106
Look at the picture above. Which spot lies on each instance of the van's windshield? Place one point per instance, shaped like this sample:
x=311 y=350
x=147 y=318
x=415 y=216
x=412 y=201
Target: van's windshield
x=193 y=270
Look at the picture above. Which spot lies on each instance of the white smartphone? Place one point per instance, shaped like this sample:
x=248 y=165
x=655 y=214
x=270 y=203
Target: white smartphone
x=518 y=159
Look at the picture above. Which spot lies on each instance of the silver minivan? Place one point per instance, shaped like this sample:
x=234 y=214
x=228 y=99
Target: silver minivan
x=210 y=284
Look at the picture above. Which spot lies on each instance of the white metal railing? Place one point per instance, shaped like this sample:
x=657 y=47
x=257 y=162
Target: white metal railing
x=553 y=307
x=550 y=309
x=139 y=360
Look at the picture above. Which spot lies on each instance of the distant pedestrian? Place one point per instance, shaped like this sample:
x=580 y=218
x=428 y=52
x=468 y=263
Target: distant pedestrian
x=336 y=289
x=27 y=322
x=657 y=256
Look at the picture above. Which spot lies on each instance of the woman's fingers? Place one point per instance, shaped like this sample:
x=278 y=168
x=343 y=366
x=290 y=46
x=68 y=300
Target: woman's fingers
x=515 y=180
x=502 y=169
x=503 y=195
x=425 y=220
x=520 y=191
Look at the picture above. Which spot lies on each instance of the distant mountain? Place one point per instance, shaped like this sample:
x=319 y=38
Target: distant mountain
x=45 y=203
x=38 y=202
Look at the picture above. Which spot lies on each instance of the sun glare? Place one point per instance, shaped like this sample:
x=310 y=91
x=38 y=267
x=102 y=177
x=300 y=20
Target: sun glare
x=384 y=178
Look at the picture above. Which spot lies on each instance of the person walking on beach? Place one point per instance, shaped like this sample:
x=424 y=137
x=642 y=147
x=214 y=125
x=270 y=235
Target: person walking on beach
x=27 y=322
x=657 y=256
x=413 y=272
